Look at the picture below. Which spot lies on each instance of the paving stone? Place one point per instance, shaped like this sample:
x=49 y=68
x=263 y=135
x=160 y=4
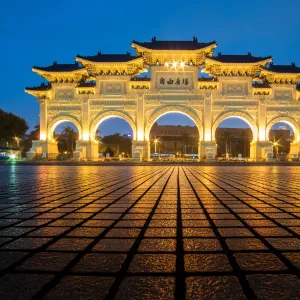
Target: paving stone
x=259 y=262
x=81 y=287
x=202 y=245
x=206 y=263
x=128 y=235
x=9 y=258
x=214 y=287
x=100 y=262
x=119 y=245
x=271 y=287
x=22 y=286
x=146 y=288
x=157 y=245
x=153 y=263
x=47 y=261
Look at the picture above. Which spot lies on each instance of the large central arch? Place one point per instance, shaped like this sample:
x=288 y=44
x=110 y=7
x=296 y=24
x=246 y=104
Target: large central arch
x=110 y=114
x=173 y=109
x=240 y=115
x=58 y=120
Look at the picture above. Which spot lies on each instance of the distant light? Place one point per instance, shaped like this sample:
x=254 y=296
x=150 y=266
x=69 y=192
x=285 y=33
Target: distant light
x=166 y=64
x=182 y=64
x=12 y=156
x=129 y=135
x=174 y=64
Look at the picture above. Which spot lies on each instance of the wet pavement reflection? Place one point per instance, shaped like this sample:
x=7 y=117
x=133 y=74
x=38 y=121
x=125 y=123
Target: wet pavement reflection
x=149 y=232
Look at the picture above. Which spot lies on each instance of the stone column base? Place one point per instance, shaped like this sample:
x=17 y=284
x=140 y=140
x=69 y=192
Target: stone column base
x=140 y=150
x=207 y=151
x=45 y=149
x=294 y=151
x=86 y=150
x=261 y=150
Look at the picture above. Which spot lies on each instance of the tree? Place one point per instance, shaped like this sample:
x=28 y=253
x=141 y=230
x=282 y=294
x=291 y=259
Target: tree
x=11 y=126
x=184 y=140
x=26 y=142
x=68 y=132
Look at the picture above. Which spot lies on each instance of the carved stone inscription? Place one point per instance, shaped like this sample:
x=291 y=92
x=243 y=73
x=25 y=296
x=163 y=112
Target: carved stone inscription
x=282 y=95
x=173 y=80
x=112 y=88
x=64 y=94
x=235 y=89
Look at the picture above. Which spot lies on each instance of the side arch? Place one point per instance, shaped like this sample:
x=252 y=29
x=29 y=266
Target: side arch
x=60 y=119
x=288 y=120
x=171 y=109
x=236 y=114
x=110 y=114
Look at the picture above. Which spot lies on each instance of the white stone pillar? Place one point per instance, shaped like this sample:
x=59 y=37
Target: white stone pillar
x=85 y=123
x=43 y=120
x=262 y=119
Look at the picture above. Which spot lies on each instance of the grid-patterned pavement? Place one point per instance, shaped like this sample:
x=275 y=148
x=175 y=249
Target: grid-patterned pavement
x=149 y=232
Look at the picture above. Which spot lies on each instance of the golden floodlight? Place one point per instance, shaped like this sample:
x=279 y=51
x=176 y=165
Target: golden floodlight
x=182 y=64
x=174 y=64
x=166 y=64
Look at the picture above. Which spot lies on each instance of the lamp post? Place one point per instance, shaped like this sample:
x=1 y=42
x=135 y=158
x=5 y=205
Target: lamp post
x=275 y=144
x=17 y=139
x=155 y=142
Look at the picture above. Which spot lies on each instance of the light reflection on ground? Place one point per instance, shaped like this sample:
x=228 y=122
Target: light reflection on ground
x=149 y=232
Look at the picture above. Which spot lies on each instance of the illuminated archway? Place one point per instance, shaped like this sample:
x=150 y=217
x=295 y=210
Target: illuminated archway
x=111 y=114
x=287 y=120
x=55 y=122
x=240 y=115
x=173 y=109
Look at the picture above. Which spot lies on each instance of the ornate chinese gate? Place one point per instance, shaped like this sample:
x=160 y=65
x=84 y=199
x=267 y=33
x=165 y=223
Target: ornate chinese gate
x=107 y=85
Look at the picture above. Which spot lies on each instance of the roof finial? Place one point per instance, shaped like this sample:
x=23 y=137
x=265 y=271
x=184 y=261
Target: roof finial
x=219 y=53
x=249 y=53
x=55 y=63
x=154 y=39
x=195 y=39
x=293 y=64
x=99 y=53
x=127 y=52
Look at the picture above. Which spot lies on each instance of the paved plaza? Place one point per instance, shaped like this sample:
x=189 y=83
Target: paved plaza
x=149 y=232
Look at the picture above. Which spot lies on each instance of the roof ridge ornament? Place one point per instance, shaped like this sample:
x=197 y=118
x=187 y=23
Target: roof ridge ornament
x=195 y=39
x=153 y=39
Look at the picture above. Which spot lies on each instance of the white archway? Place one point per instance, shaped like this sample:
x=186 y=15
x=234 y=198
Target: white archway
x=240 y=115
x=287 y=120
x=173 y=109
x=58 y=120
x=111 y=114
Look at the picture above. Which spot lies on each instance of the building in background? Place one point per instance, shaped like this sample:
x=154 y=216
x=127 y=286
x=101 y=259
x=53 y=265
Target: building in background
x=174 y=139
x=233 y=141
x=283 y=138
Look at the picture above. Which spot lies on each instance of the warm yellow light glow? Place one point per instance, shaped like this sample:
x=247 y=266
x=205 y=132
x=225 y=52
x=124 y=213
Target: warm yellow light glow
x=43 y=136
x=166 y=64
x=174 y=64
x=207 y=135
x=275 y=144
x=262 y=136
x=85 y=136
x=140 y=135
x=182 y=64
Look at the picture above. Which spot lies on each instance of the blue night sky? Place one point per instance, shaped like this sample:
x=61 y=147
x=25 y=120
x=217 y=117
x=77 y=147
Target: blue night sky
x=36 y=32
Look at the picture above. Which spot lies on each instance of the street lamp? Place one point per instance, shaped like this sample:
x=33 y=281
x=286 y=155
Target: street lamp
x=17 y=139
x=155 y=142
x=275 y=144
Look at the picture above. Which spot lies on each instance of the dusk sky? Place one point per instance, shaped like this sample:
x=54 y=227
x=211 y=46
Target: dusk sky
x=36 y=32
